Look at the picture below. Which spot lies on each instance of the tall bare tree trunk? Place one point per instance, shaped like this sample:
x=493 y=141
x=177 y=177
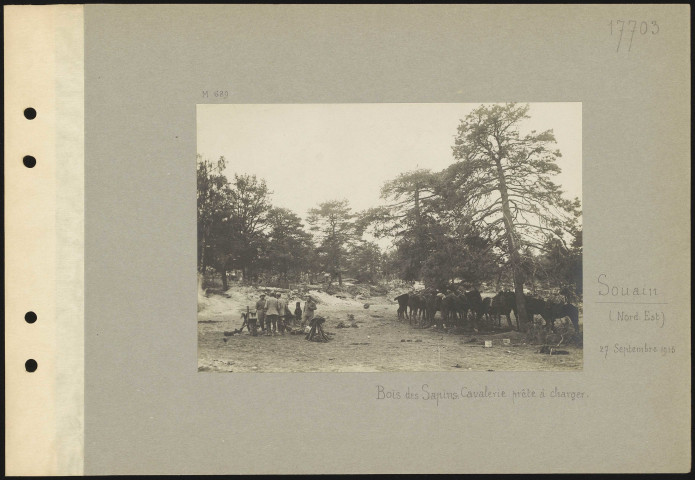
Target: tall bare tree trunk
x=517 y=273
x=419 y=240
x=200 y=286
x=203 y=258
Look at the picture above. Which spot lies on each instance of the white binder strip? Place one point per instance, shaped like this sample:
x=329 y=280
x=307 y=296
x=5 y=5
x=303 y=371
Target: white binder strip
x=44 y=239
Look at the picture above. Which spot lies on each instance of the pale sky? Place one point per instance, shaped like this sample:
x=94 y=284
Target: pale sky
x=312 y=153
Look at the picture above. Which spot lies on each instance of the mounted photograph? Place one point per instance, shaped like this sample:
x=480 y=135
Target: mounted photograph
x=389 y=237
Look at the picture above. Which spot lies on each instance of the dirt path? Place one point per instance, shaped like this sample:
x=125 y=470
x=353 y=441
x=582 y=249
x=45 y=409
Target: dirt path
x=381 y=343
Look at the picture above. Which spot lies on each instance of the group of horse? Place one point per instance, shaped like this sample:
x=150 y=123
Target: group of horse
x=460 y=308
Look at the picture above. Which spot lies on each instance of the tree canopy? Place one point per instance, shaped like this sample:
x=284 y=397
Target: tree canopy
x=495 y=214
x=333 y=223
x=503 y=178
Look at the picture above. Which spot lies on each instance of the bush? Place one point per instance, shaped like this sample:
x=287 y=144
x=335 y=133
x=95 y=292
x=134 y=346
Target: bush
x=378 y=290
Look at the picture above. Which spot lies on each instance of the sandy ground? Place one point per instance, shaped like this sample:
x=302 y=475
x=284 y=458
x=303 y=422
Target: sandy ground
x=381 y=343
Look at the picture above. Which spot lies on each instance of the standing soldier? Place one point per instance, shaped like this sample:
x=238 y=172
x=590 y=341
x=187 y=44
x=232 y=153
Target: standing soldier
x=298 y=313
x=282 y=306
x=260 y=311
x=309 y=308
x=271 y=315
x=251 y=318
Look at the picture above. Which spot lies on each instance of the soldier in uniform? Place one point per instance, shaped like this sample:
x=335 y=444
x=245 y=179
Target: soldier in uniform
x=309 y=309
x=251 y=318
x=282 y=306
x=298 y=313
x=260 y=312
x=271 y=315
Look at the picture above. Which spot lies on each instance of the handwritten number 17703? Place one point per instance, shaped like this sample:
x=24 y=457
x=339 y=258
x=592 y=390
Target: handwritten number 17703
x=626 y=30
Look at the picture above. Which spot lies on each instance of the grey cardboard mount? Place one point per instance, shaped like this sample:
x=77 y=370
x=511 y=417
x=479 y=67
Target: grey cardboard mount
x=147 y=410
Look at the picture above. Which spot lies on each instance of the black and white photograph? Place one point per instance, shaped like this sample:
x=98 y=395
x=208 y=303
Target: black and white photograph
x=389 y=237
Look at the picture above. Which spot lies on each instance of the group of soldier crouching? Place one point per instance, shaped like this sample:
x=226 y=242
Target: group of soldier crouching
x=274 y=317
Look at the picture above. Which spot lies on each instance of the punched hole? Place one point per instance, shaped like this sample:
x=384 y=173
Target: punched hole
x=30 y=317
x=31 y=365
x=29 y=113
x=29 y=161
